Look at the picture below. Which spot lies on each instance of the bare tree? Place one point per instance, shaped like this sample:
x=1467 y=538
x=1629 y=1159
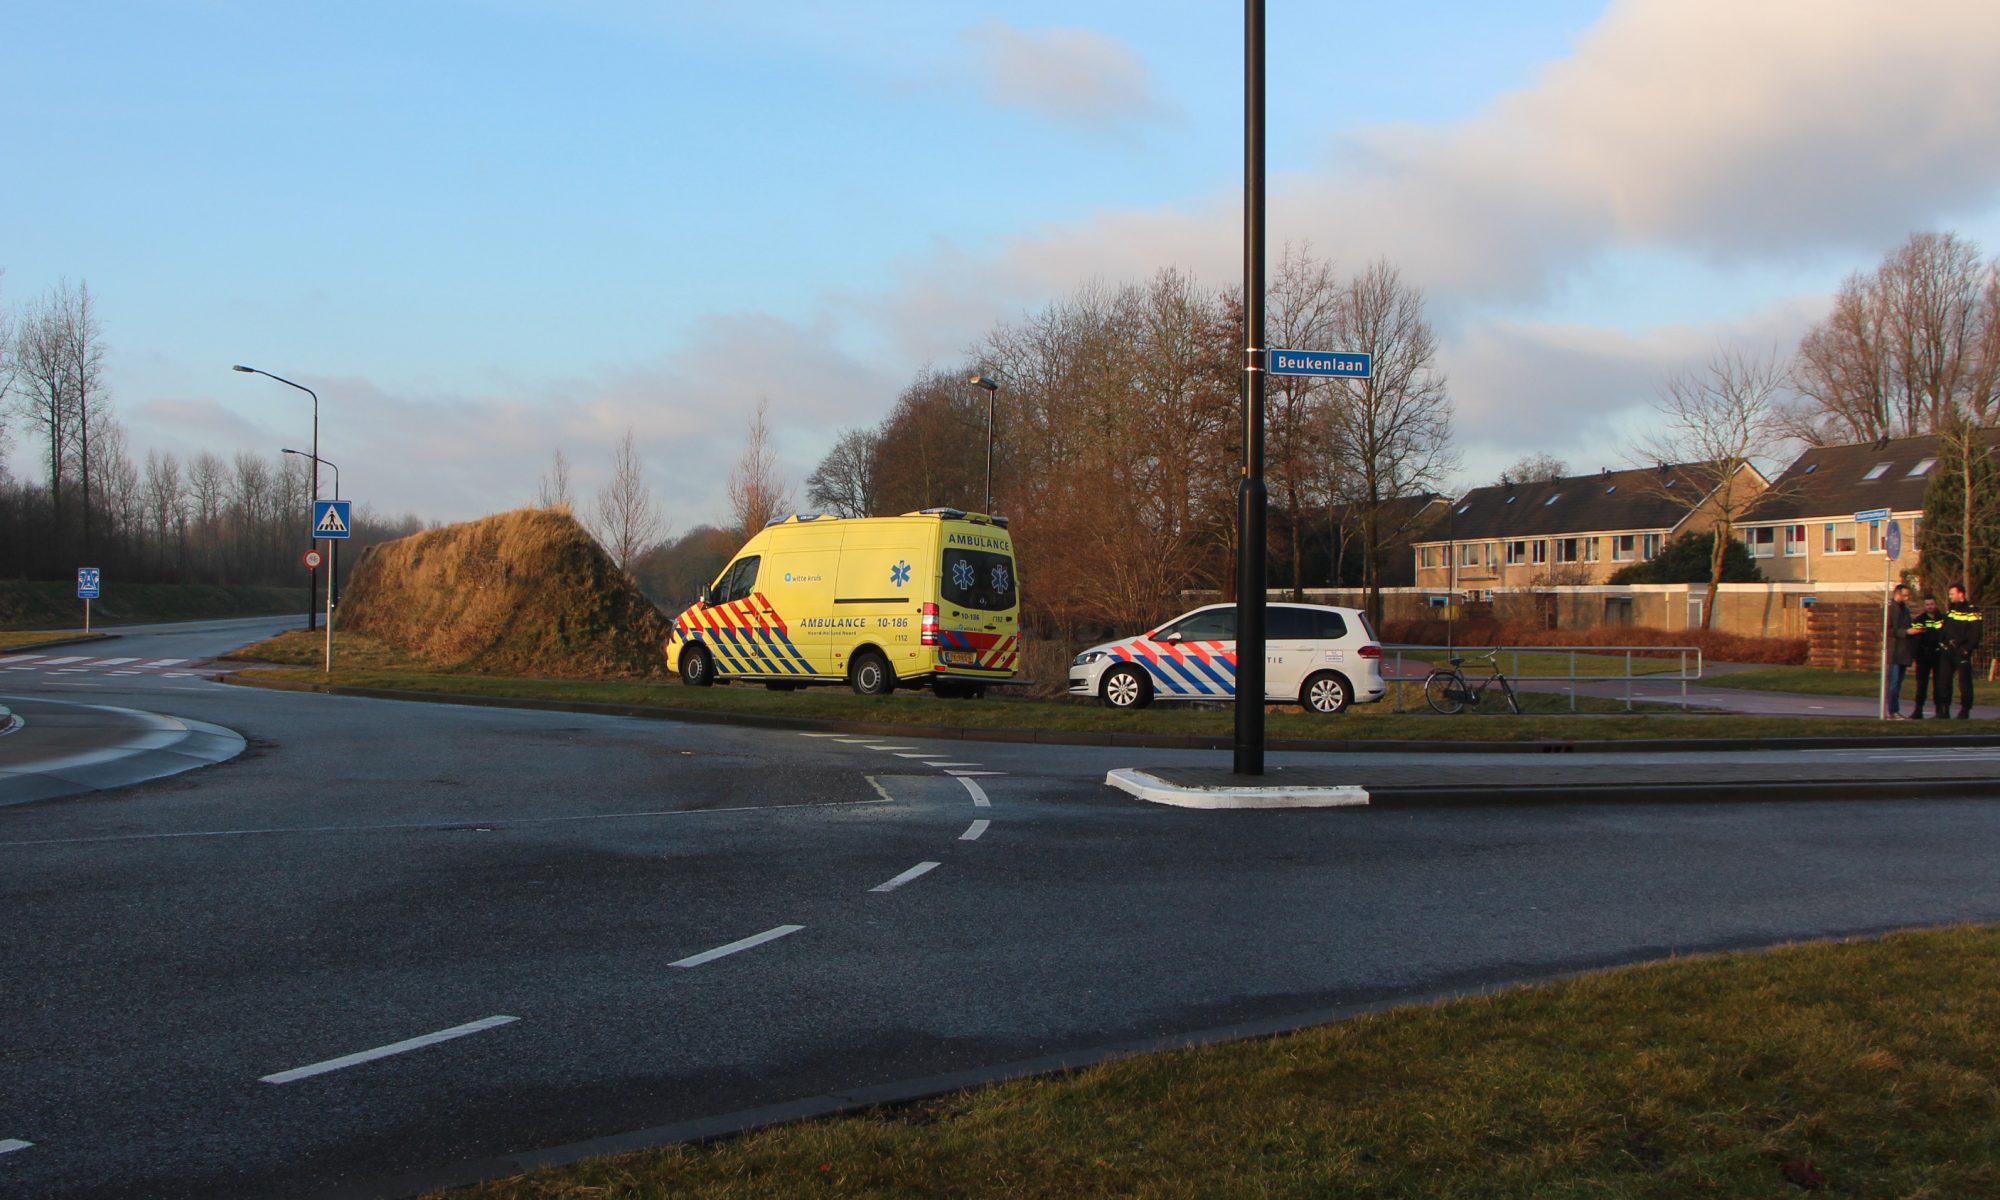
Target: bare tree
x=1535 y=468
x=627 y=523
x=166 y=510
x=1395 y=427
x=1712 y=423
x=1304 y=300
x=754 y=494
x=844 y=481
x=1904 y=346
x=554 y=491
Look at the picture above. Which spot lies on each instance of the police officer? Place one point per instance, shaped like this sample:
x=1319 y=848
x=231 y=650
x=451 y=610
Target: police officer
x=1927 y=632
x=1962 y=633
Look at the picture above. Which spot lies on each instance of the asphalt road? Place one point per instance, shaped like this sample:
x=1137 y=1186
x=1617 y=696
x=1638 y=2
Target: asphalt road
x=194 y=963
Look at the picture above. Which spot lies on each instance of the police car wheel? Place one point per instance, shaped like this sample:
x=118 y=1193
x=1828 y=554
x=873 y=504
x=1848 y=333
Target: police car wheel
x=1326 y=693
x=1127 y=687
x=697 y=668
x=869 y=675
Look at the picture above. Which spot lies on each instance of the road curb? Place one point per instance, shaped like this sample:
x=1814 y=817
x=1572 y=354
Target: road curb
x=1136 y=740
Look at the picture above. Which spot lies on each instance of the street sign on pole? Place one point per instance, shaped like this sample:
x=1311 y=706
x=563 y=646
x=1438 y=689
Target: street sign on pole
x=1873 y=514
x=1338 y=364
x=312 y=560
x=1892 y=543
x=87 y=582
x=330 y=519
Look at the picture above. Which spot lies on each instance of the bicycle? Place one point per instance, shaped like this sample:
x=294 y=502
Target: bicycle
x=1449 y=692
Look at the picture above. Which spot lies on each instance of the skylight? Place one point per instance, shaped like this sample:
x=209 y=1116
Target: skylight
x=1876 y=472
x=1611 y=489
x=1922 y=468
x=1811 y=467
x=1462 y=508
x=1510 y=499
x=1552 y=499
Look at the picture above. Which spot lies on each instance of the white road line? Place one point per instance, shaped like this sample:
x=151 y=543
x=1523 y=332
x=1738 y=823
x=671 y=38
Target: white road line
x=963 y=774
x=954 y=764
x=831 y=735
x=165 y=662
x=749 y=943
x=115 y=662
x=854 y=741
x=178 y=675
x=11 y=658
x=879 y=789
x=403 y=1047
x=13 y=1144
x=892 y=747
x=973 y=830
x=922 y=868
x=979 y=799
x=919 y=754
x=50 y=662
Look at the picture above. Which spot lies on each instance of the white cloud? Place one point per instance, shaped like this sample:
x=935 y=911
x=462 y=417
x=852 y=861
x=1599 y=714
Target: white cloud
x=1077 y=76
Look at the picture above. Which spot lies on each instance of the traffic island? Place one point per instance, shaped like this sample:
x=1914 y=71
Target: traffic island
x=1215 y=787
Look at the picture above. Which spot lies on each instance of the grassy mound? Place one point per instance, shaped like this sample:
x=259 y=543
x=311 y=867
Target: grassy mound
x=526 y=593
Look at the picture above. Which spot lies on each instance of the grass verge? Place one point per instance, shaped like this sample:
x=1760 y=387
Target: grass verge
x=1861 y=1069
x=12 y=639
x=361 y=661
x=45 y=603
x=1810 y=681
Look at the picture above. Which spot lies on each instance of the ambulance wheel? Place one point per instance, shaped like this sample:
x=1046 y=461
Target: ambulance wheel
x=1127 y=687
x=1326 y=693
x=697 y=668
x=869 y=675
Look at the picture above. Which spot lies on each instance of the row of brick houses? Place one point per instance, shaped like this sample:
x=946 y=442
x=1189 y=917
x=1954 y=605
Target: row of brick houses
x=1545 y=549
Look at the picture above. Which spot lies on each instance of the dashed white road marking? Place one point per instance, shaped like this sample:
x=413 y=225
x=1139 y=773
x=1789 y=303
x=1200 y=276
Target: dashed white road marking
x=963 y=774
x=14 y=658
x=737 y=947
x=872 y=747
x=956 y=764
x=13 y=1144
x=919 y=754
x=879 y=789
x=979 y=799
x=831 y=735
x=51 y=662
x=973 y=830
x=164 y=662
x=854 y=741
x=115 y=662
x=922 y=868
x=403 y=1047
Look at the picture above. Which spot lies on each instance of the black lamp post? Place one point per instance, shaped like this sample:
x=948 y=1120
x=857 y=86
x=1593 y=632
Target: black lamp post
x=992 y=386
x=312 y=581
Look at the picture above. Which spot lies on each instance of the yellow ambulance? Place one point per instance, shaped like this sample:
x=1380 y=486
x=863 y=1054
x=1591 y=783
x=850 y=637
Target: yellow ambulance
x=927 y=599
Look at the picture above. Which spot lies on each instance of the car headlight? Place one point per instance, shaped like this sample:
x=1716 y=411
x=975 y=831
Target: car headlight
x=1088 y=657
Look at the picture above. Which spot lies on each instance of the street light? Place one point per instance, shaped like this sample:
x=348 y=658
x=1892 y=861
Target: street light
x=312 y=581
x=992 y=386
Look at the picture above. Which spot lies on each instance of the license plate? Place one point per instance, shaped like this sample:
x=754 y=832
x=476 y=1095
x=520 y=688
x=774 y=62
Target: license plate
x=958 y=658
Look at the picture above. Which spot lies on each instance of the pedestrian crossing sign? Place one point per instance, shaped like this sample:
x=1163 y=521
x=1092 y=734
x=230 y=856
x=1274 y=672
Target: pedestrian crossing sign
x=330 y=519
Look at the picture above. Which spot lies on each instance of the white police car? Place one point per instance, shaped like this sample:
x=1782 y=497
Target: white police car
x=1321 y=657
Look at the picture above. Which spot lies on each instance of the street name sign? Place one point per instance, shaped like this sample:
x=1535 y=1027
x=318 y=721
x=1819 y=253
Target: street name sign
x=1335 y=363
x=1873 y=514
x=330 y=519
x=87 y=581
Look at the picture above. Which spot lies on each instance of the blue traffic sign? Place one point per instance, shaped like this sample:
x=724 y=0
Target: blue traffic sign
x=1873 y=514
x=1319 y=362
x=1892 y=544
x=87 y=580
x=330 y=519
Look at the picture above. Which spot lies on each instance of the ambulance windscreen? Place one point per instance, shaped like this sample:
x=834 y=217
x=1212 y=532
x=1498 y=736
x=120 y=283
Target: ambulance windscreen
x=978 y=579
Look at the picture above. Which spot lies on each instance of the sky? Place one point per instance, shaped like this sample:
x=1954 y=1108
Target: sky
x=485 y=229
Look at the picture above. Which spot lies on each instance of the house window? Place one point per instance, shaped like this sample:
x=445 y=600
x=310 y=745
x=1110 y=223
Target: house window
x=1493 y=554
x=1839 y=538
x=1922 y=468
x=1649 y=546
x=1589 y=549
x=1468 y=554
x=1427 y=556
x=1540 y=550
x=1624 y=547
x=1795 y=541
x=1877 y=471
x=1762 y=541
x=1874 y=537
x=1517 y=553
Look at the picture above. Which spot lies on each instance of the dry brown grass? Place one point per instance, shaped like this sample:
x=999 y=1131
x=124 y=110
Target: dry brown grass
x=524 y=593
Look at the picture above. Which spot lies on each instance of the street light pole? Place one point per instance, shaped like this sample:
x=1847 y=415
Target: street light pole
x=1251 y=500
x=332 y=553
x=312 y=581
x=992 y=387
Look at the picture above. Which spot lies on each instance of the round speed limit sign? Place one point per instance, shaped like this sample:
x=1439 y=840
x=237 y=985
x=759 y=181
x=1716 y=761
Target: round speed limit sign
x=312 y=560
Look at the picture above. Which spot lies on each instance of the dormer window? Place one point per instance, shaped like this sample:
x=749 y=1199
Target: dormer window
x=1876 y=472
x=1922 y=468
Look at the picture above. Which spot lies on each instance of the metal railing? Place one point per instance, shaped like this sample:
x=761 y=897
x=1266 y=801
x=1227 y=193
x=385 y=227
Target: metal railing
x=1668 y=664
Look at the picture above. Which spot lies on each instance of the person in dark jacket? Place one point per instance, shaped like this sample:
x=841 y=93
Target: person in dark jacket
x=1927 y=633
x=1901 y=652
x=1962 y=633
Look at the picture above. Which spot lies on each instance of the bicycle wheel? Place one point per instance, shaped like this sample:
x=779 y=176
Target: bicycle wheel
x=1513 y=701
x=1445 y=692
